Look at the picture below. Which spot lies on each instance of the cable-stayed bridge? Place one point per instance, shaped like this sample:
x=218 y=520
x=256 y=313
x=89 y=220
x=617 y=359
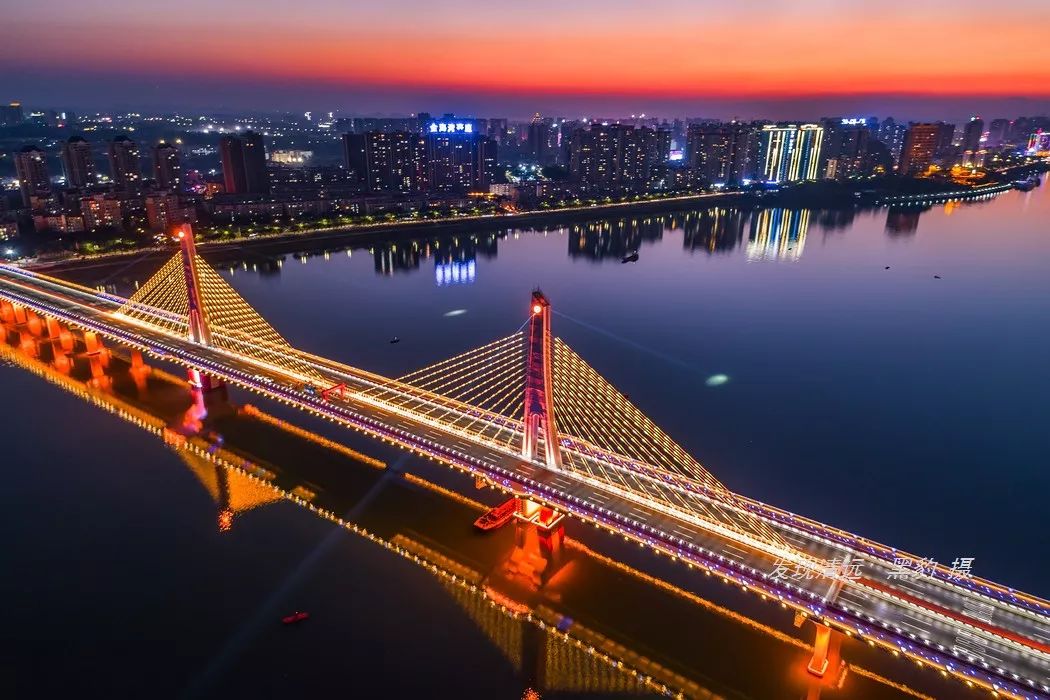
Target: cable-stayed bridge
x=529 y=415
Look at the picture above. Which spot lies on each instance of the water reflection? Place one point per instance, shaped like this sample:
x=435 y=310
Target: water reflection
x=712 y=231
x=903 y=221
x=614 y=239
x=598 y=624
x=777 y=235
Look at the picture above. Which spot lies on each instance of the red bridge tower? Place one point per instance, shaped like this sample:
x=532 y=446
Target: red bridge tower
x=198 y=319
x=539 y=394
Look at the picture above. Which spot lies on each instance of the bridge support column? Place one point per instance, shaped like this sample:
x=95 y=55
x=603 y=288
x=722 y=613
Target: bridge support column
x=18 y=314
x=822 y=650
x=204 y=382
x=53 y=327
x=539 y=388
x=35 y=324
x=7 y=312
x=92 y=342
x=539 y=533
x=63 y=363
x=29 y=344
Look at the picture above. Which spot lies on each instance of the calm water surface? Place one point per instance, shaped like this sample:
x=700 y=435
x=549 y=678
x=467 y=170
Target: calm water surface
x=889 y=402
x=776 y=347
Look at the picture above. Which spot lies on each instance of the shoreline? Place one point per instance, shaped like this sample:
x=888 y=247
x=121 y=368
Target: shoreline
x=382 y=230
x=291 y=241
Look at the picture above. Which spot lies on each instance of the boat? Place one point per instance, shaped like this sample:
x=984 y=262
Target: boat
x=498 y=516
x=395 y=339
x=297 y=616
x=631 y=257
x=1026 y=185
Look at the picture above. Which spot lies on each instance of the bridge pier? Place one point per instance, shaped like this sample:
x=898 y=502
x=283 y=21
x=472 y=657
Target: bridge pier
x=92 y=343
x=52 y=327
x=13 y=313
x=825 y=651
x=204 y=382
x=28 y=344
x=539 y=533
x=35 y=324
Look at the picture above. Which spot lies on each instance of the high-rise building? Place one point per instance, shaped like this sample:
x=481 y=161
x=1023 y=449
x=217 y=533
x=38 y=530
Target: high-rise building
x=847 y=147
x=386 y=161
x=616 y=157
x=486 y=160
x=1020 y=130
x=167 y=166
x=596 y=156
x=244 y=164
x=920 y=144
x=255 y=163
x=892 y=134
x=11 y=114
x=998 y=131
x=31 y=168
x=944 y=146
x=971 y=142
x=663 y=145
x=231 y=153
x=718 y=151
x=972 y=133
x=78 y=162
x=789 y=152
x=124 y=166
x=641 y=150
x=457 y=156
x=541 y=140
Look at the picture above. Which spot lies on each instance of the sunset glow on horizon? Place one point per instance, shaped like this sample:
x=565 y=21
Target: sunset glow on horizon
x=676 y=49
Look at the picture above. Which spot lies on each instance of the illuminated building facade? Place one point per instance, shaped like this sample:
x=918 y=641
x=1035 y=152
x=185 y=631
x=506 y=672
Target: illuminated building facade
x=78 y=162
x=386 y=161
x=892 y=134
x=718 y=152
x=102 y=211
x=458 y=158
x=167 y=166
x=125 y=167
x=1039 y=143
x=920 y=144
x=849 y=147
x=788 y=153
x=614 y=157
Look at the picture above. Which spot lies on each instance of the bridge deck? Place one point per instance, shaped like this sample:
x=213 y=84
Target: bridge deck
x=990 y=634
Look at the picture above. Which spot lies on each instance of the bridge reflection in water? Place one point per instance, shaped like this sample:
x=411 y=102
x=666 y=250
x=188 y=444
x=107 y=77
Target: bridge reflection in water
x=597 y=625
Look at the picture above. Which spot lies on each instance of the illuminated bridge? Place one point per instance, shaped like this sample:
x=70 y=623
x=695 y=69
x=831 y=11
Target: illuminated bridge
x=528 y=415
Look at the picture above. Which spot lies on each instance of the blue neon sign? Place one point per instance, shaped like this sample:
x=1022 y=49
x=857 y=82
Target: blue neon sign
x=451 y=128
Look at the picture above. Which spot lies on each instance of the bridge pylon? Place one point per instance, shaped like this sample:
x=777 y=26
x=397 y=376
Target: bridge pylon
x=539 y=389
x=199 y=332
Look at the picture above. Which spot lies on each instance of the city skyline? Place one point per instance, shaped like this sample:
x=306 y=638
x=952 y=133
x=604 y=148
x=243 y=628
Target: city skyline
x=918 y=62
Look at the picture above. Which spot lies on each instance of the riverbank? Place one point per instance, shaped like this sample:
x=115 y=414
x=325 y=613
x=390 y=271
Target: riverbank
x=822 y=195
x=288 y=241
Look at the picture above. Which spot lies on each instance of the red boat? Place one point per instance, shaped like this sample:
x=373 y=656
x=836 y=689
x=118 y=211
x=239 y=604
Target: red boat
x=295 y=617
x=498 y=516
